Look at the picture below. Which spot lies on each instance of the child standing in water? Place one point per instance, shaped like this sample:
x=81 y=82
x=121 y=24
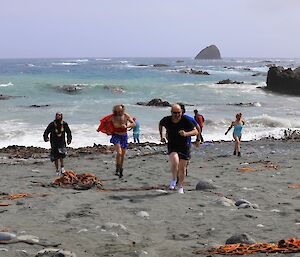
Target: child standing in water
x=237 y=133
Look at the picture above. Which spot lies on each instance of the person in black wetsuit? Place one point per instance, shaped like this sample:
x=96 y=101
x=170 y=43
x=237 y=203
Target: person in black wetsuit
x=178 y=128
x=58 y=130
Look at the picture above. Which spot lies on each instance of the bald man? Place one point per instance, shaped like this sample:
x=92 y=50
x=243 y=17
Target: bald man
x=178 y=129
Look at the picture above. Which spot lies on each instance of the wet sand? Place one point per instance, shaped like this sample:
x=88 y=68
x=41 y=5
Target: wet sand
x=154 y=222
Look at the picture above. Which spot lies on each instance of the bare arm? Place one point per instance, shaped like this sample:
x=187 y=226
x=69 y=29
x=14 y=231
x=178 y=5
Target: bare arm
x=193 y=132
x=131 y=121
x=229 y=128
x=162 y=138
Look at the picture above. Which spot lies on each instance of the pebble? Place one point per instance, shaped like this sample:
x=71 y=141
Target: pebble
x=111 y=225
x=143 y=214
x=50 y=252
x=225 y=202
x=82 y=230
x=260 y=225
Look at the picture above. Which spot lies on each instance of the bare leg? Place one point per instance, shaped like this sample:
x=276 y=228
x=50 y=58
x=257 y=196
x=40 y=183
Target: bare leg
x=123 y=152
x=118 y=157
x=174 y=163
x=56 y=164
x=62 y=162
x=182 y=171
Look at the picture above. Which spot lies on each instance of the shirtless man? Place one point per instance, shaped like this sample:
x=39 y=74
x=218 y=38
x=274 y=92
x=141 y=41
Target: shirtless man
x=121 y=122
x=178 y=128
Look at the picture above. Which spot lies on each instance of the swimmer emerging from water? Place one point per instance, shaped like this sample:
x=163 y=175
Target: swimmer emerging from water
x=121 y=122
x=237 y=133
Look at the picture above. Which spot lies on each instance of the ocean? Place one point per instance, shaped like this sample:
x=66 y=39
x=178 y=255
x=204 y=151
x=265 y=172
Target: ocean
x=104 y=82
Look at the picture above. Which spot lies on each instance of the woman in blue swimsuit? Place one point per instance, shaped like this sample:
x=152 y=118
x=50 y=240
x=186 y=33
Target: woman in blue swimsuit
x=237 y=133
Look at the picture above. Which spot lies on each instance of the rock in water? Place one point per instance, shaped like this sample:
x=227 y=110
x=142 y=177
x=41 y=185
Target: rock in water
x=210 y=52
x=240 y=238
x=282 y=80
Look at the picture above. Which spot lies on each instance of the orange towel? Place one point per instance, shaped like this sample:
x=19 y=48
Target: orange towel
x=106 y=126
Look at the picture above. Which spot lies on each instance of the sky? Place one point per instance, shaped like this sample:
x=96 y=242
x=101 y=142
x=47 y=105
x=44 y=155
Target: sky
x=148 y=28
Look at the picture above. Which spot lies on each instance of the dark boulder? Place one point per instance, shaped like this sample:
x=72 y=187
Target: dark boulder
x=204 y=185
x=7 y=97
x=155 y=102
x=160 y=65
x=259 y=74
x=282 y=80
x=70 y=89
x=240 y=239
x=210 y=52
x=179 y=61
x=39 y=106
x=229 y=81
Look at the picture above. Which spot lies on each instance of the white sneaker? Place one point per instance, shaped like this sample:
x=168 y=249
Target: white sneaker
x=172 y=184
x=57 y=173
x=180 y=190
x=62 y=170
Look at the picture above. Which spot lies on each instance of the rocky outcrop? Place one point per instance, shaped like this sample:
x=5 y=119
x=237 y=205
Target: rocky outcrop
x=160 y=65
x=282 y=80
x=194 y=72
x=155 y=102
x=7 y=97
x=39 y=105
x=210 y=52
x=115 y=89
x=70 y=89
x=229 y=81
x=259 y=74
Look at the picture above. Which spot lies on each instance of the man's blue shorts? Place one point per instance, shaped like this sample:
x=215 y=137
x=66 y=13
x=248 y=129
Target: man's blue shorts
x=120 y=139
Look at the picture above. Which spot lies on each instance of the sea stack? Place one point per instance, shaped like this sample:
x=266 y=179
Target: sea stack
x=285 y=81
x=210 y=52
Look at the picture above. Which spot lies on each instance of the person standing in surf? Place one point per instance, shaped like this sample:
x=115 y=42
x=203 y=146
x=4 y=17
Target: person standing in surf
x=58 y=130
x=116 y=125
x=237 y=133
x=178 y=129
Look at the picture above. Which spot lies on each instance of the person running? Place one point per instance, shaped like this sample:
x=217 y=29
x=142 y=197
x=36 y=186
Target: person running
x=116 y=125
x=195 y=124
x=58 y=130
x=178 y=128
x=237 y=133
x=200 y=119
x=136 y=131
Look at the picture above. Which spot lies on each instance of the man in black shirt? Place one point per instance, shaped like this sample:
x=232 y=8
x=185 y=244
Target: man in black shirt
x=178 y=128
x=57 y=130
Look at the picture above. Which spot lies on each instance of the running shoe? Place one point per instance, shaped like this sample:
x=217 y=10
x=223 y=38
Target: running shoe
x=172 y=184
x=180 y=190
x=62 y=170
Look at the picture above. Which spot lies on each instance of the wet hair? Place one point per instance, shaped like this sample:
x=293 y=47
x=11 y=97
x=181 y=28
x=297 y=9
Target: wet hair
x=182 y=107
x=238 y=115
x=116 y=107
x=195 y=111
x=59 y=113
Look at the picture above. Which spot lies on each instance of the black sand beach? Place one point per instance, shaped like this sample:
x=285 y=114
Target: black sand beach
x=156 y=222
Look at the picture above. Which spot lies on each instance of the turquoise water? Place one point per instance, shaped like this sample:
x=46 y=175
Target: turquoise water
x=39 y=81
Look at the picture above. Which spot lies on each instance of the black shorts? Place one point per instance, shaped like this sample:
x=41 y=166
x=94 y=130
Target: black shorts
x=183 y=154
x=56 y=154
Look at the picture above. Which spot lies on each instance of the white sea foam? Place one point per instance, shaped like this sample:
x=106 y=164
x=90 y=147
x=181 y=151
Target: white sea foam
x=64 y=63
x=103 y=59
x=9 y=84
x=82 y=60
